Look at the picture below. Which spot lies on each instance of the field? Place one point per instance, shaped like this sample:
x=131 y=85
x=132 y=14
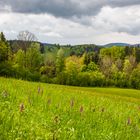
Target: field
x=37 y=111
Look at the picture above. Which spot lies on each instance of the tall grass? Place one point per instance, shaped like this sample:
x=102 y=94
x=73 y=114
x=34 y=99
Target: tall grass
x=35 y=111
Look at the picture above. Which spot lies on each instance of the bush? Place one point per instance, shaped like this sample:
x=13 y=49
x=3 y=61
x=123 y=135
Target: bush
x=6 y=69
x=71 y=78
x=45 y=79
x=96 y=79
x=120 y=79
x=90 y=79
x=135 y=79
x=61 y=78
x=83 y=79
x=25 y=74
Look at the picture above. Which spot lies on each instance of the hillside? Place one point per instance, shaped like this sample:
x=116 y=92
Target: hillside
x=45 y=111
x=81 y=45
x=117 y=44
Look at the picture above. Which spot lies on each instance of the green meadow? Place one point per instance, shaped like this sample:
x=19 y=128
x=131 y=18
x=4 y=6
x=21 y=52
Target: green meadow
x=37 y=111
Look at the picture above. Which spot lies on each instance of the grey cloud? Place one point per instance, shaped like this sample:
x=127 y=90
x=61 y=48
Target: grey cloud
x=58 y=8
x=130 y=30
x=121 y=3
x=64 y=8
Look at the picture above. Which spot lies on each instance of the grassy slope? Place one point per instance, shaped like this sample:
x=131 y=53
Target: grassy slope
x=106 y=113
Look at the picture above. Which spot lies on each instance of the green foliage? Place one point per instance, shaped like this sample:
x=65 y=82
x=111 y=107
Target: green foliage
x=137 y=54
x=20 y=58
x=26 y=74
x=135 y=79
x=72 y=64
x=83 y=79
x=127 y=67
x=48 y=70
x=60 y=61
x=92 y=67
x=73 y=67
x=6 y=69
x=120 y=79
x=113 y=52
x=62 y=78
x=4 y=50
x=97 y=79
x=105 y=66
x=49 y=67
x=33 y=58
x=81 y=65
x=90 y=57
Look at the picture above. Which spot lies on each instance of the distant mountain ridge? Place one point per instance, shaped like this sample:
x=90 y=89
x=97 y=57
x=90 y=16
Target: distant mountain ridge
x=106 y=45
x=117 y=44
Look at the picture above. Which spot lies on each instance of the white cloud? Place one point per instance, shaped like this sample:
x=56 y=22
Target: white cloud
x=126 y=19
x=110 y=25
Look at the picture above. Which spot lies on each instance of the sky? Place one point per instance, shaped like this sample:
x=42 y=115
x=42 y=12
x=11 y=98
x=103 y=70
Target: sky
x=73 y=21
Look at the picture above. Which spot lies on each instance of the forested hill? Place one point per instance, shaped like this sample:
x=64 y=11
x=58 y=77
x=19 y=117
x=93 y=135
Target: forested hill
x=74 y=49
x=79 y=65
x=82 y=45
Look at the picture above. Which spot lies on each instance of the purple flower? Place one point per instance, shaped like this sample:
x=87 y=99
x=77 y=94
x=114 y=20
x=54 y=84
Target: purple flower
x=39 y=89
x=103 y=109
x=21 y=107
x=129 y=121
x=81 y=109
x=72 y=103
x=49 y=102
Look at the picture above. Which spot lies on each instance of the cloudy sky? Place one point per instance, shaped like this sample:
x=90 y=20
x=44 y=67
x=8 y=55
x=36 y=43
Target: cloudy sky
x=73 y=21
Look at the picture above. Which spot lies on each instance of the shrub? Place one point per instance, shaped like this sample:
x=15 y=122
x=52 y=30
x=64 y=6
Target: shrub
x=96 y=79
x=6 y=69
x=45 y=79
x=61 y=78
x=120 y=79
x=135 y=79
x=83 y=79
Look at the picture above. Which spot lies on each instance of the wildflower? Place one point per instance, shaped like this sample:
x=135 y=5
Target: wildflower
x=72 y=103
x=5 y=94
x=103 y=109
x=81 y=109
x=49 y=102
x=56 y=119
x=128 y=121
x=39 y=89
x=21 y=107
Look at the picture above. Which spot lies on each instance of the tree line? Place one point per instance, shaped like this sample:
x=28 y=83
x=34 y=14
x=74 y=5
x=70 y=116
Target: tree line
x=86 y=65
